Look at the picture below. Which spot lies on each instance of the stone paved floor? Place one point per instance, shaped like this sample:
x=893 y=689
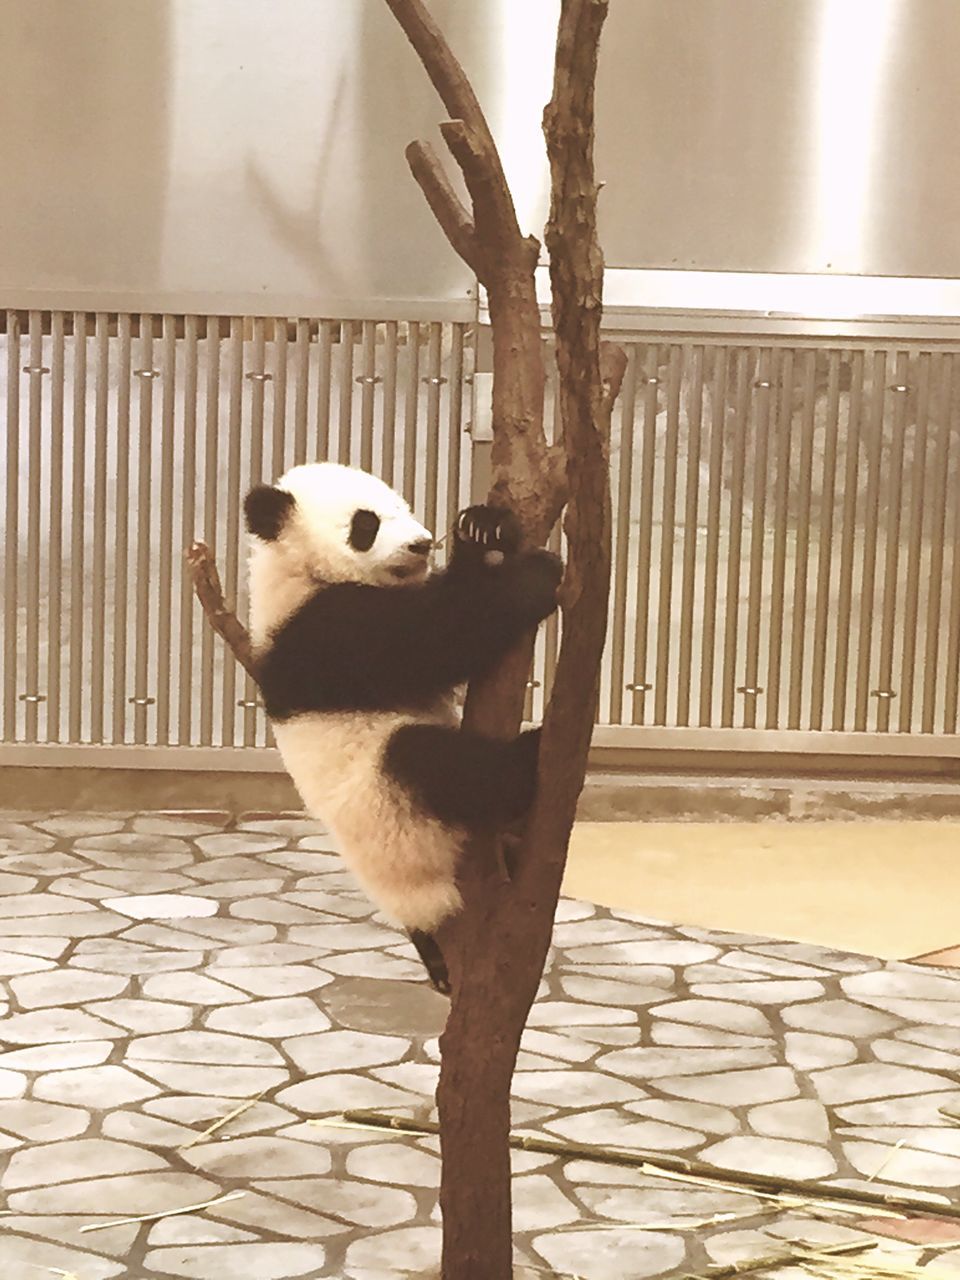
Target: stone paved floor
x=161 y=969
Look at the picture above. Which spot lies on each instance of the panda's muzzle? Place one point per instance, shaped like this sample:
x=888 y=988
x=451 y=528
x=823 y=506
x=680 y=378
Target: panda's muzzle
x=414 y=564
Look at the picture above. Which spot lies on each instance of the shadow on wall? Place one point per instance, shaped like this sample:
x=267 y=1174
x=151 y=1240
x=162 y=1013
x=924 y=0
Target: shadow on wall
x=85 y=143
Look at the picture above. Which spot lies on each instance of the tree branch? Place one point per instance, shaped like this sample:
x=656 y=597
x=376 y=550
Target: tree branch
x=455 y=223
x=206 y=584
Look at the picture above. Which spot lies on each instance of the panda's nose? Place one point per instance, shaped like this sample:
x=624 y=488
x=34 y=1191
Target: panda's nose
x=422 y=547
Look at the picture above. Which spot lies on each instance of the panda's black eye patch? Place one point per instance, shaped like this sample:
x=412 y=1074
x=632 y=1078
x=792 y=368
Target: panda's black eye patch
x=364 y=528
x=267 y=509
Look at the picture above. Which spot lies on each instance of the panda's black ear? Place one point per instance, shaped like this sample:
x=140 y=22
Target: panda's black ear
x=267 y=509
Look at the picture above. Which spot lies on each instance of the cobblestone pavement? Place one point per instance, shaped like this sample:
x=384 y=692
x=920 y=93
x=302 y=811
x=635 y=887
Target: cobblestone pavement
x=161 y=969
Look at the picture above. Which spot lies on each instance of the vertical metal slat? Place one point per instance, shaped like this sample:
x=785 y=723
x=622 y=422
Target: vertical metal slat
x=78 y=680
x=142 y=698
x=278 y=425
x=640 y=685
x=232 y=524
x=711 y=560
x=101 y=627
x=690 y=536
x=368 y=380
x=802 y=546
x=188 y=515
x=884 y=692
x=871 y=529
x=345 y=380
x=628 y=397
x=780 y=523
x=31 y=695
x=844 y=609
x=454 y=430
x=911 y=604
x=734 y=553
x=825 y=546
x=324 y=382
x=668 y=534
x=945 y=367
x=411 y=414
x=389 y=404
x=765 y=388
x=168 y=378
x=11 y=531
x=121 y=542
x=211 y=488
x=55 y=537
x=301 y=366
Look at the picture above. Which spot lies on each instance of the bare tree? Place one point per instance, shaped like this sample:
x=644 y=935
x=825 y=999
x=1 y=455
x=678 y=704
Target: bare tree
x=497 y=946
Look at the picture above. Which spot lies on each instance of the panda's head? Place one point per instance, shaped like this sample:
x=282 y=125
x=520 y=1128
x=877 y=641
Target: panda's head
x=321 y=524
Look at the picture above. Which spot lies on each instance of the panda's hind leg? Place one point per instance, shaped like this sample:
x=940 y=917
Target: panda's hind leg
x=433 y=961
x=463 y=778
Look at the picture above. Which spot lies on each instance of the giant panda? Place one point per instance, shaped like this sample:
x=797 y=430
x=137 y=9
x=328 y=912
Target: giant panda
x=360 y=648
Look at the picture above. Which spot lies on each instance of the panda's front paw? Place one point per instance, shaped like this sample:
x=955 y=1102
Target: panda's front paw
x=489 y=532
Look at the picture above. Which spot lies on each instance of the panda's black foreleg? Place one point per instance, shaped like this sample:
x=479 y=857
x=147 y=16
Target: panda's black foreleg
x=433 y=961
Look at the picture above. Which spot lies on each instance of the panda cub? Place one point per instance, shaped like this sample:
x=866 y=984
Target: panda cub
x=360 y=648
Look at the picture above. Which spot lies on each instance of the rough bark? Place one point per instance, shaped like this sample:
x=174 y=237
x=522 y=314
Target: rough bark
x=206 y=584
x=497 y=946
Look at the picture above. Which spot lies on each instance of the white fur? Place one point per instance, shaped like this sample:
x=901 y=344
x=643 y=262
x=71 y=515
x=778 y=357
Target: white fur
x=404 y=859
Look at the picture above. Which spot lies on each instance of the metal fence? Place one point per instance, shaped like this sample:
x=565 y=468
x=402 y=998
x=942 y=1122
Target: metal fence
x=787 y=522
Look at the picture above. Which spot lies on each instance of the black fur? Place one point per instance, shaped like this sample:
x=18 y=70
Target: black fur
x=267 y=509
x=464 y=779
x=364 y=648
x=364 y=528
x=429 y=952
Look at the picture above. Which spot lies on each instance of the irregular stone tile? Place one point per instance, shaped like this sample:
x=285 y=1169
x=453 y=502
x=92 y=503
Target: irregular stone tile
x=650 y=1202
x=77 y=1158
x=234 y=932
x=704 y=1116
x=419 y=1247
x=714 y=971
x=269 y=1157
x=750 y=962
x=909 y=982
x=267 y=953
x=801 y=1227
x=310 y=861
x=806 y=1051
x=725 y=1015
x=135 y=882
x=923 y=1231
x=41 y=904
x=398 y=1164
x=330 y=901
x=226 y=1081
x=23 y=1256
x=729 y=1247
x=44 y=864
x=161 y=906
x=116 y=1241
x=417 y=1077
x=31 y=845
x=13 y=962
x=735 y=1088
x=395 y=1008
x=531 y=1062
x=866 y=1080
x=93 y=1086
x=593 y=930
x=538 y=1203
x=203 y=1047
x=913 y=1109
x=44 y=1026
x=688 y=1033
x=74 y=825
x=160 y=935
x=41 y=990
x=343 y=937
x=653 y=951
x=605 y=1035
x=285 y=1016
x=840 y=1017
x=903 y=1164
x=609 y=1254
x=574 y=909
x=562 y=1013
x=812 y=953
x=41 y=1121
x=124 y=1196
x=280 y=980
x=11 y=883
x=161 y=824
x=274 y=912
x=192 y=988
x=80 y=887
x=227 y=890
x=229 y=844
x=233 y=869
x=802 y=1119
x=644 y=975
x=337 y=1092
x=914 y=1055
x=293 y=826
x=944 y=1141
x=343 y=1051
x=641 y=1064
x=608 y=1127
x=935 y=1037
x=57 y=1057
x=275 y=1217
x=144 y=1130
x=938 y=1012
x=74 y=924
x=364 y=1204
x=373 y=964
x=198 y=1110
x=763 y=991
x=12 y=1083
x=602 y=991
x=552 y=1045
x=49 y=948
x=135 y=959
x=188 y=1229
x=144 y=1015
